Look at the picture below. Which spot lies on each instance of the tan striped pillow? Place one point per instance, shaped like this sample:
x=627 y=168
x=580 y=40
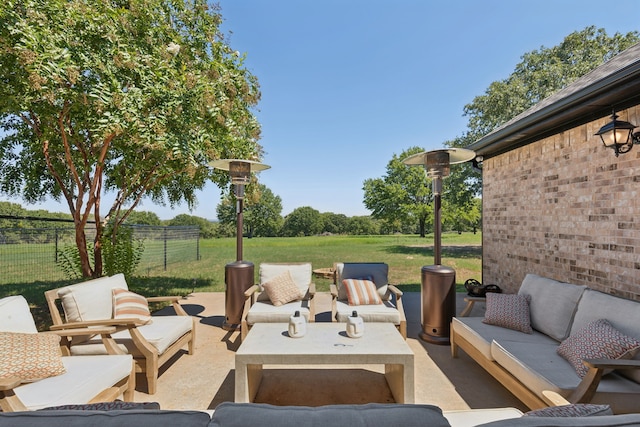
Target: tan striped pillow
x=128 y=305
x=361 y=292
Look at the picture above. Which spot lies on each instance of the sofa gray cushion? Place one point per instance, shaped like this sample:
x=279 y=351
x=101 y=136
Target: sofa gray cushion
x=119 y=418
x=229 y=414
x=552 y=304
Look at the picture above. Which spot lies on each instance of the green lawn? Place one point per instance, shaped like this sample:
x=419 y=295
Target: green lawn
x=405 y=255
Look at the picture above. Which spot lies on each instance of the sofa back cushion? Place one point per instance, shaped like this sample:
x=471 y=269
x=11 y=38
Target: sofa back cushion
x=91 y=300
x=15 y=315
x=377 y=272
x=622 y=314
x=229 y=414
x=552 y=305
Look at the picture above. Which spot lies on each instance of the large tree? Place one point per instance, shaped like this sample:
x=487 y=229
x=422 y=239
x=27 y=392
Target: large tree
x=130 y=97
x=402 y=195
x=303 y=221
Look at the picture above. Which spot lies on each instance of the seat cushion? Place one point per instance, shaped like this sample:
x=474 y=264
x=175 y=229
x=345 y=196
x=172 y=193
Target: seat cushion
x=85 y=377
x=90 y=300
x=383 y=313
x=161 y=333
x=265 y=312
x=480 y=334
x=15 y=315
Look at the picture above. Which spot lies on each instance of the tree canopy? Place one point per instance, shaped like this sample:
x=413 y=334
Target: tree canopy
x=261 y=213
x=132 y=97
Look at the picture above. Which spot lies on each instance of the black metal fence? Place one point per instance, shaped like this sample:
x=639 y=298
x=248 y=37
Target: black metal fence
x=31 y=254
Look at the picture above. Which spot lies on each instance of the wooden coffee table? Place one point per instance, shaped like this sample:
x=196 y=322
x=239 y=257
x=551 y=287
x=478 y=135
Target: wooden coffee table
x=325 y=344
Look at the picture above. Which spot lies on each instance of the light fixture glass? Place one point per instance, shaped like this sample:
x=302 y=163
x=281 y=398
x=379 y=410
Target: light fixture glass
x=618 y=135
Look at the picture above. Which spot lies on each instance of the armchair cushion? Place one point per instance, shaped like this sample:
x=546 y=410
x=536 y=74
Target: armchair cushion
x=264 y=312
x=282 y=289
x=597 y=340
x=91 y=300
x=361 y=292
x=30 y=357
x=15 y=315
x=127 y=304
x=384 y=313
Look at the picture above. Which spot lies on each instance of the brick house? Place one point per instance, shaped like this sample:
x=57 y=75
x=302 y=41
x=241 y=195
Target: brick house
x=556 y=201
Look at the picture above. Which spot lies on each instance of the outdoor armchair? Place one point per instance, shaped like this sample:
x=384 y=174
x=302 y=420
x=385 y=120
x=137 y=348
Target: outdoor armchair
x=284 y=288
x=106 y=301
x=34 y=374
x=364 y=287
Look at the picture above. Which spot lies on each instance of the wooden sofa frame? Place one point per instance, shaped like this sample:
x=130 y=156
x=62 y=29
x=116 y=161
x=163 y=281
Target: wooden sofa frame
x=150 y=361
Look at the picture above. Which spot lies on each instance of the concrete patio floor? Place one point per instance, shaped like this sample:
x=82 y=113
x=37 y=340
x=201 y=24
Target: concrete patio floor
x=206 y=379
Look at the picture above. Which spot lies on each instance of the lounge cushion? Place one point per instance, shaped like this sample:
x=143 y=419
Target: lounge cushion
x=229 y=414
x=15 y=315
x=597 y=340
x=508 y=311
x=85 y=377
x=90 y=300
x=30 y=357
x=552 y=304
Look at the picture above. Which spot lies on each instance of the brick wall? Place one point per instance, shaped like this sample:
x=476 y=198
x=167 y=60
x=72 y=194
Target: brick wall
x=564 y=207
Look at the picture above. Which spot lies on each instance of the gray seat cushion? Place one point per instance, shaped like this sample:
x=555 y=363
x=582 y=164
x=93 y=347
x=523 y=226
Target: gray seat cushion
x=118 y=418
x=229 y=414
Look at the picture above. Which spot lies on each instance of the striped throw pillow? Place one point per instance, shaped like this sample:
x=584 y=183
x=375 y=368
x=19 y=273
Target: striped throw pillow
x=128 y=305
x=361 y=292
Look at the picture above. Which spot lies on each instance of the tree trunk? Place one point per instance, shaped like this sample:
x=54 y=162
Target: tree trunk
x=81 y=243
x=422 y=222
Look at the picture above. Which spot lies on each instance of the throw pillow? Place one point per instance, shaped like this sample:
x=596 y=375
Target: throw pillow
x=128 y=305
x=30 y=357
x=574 y=410
x=282 y=289
x=597 y=340
x=116 y=405
x=361 y=292
x=508 y=311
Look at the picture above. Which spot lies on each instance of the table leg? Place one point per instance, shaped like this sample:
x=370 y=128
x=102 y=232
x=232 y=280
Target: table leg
x=401 y=382
x=248 y=378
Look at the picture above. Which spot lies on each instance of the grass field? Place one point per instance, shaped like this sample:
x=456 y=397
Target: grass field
x=405 y=255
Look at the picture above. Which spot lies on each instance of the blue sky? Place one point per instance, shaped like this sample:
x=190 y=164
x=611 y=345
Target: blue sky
x=346 y=84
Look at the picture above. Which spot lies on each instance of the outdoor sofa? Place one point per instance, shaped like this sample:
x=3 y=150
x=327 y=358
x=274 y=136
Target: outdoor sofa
x=251 y=414
x=578 y=322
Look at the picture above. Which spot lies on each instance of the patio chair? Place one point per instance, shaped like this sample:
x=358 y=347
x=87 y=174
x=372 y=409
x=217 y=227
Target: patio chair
x=106 y=301
x=364 y=287
x=35 y=375
x=284 y=288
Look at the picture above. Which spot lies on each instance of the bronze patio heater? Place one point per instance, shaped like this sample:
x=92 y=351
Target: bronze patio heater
x=238 y=275
x=438 y=289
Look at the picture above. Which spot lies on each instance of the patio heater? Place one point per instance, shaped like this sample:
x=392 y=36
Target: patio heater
x=438 y=282
x=238 y=275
